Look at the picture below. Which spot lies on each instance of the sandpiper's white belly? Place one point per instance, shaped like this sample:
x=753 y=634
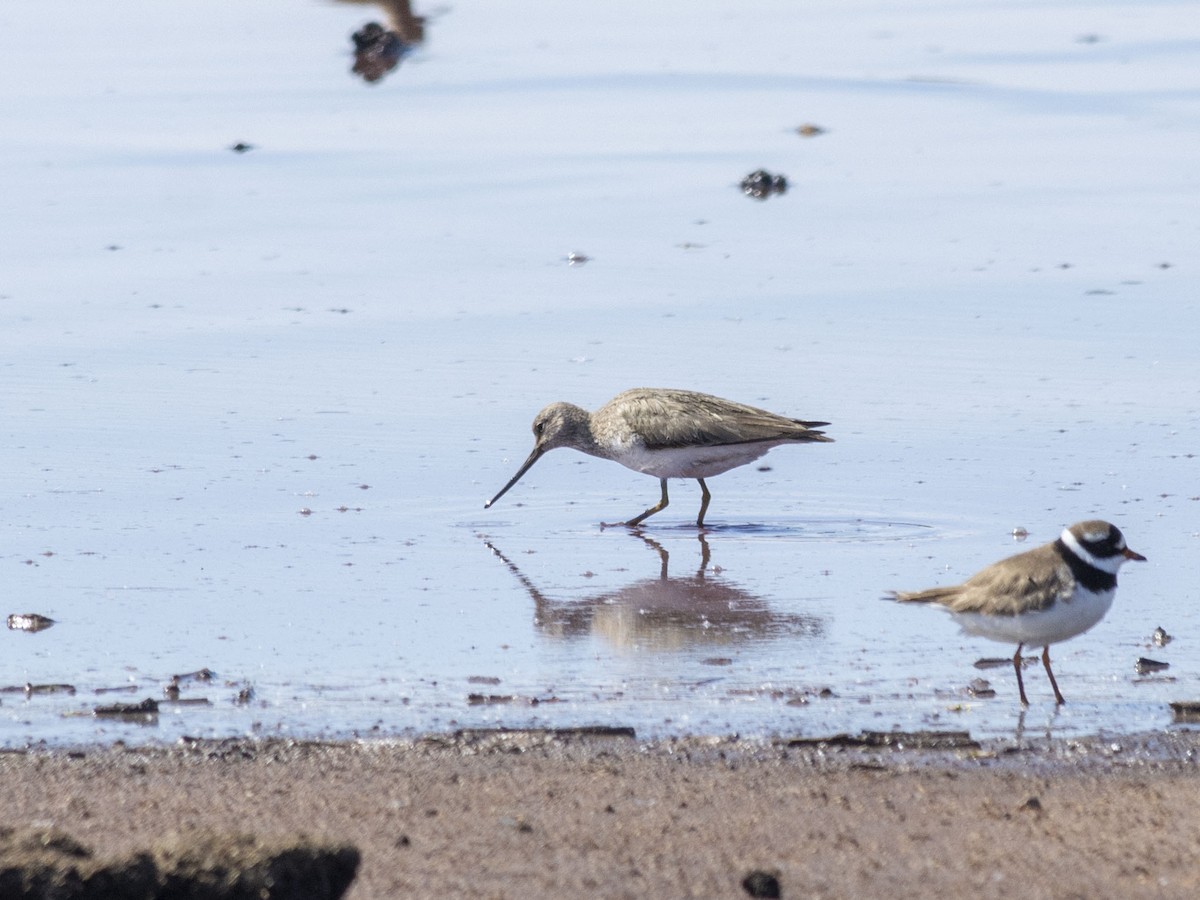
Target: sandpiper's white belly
x=1063 y=620
x=688 y=462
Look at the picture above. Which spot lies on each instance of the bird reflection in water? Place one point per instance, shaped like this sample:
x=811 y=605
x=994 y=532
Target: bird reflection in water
x=667 y=613
x=378 y=50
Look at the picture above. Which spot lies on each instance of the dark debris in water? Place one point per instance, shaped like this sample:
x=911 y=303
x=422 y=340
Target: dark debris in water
x=502 y=699
x=31 y=622
x=761 y=184
x=998 y=662
x=1186 y=711
x=29 y=689
x=1145 y=666
x=896 y=740
x=1160 y=637
x=981 y=689
x=145 y=711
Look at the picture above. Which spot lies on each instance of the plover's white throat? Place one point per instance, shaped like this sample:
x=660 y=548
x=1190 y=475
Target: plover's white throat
x=668 y=434
x=1042 y=596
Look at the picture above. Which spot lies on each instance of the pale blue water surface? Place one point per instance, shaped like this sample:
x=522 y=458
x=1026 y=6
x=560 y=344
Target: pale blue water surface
x=253 y=403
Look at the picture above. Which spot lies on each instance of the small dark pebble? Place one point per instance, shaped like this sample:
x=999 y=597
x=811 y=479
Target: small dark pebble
x=1145 y=666
x=244 y=696
x=30 y=622
x=809 y=130
x=204 y=674
x=242 y=147
x=717 y=661
x=1033 y=804
x=761 y=884
x=981 y=688
x=761 y=184
x=1160 y=638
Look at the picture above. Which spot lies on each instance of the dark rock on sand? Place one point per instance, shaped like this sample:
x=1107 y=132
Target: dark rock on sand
x=761 y=884
x=47 y=863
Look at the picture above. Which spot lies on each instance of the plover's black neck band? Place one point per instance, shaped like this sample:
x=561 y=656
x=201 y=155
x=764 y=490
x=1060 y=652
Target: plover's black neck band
x=1086 y=575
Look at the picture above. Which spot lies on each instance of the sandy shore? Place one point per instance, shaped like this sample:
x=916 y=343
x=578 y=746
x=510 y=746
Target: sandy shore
x=528 y=814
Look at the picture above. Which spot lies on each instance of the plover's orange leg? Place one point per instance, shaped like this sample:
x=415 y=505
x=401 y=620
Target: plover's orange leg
x=1020 y=681
x=1054 y=684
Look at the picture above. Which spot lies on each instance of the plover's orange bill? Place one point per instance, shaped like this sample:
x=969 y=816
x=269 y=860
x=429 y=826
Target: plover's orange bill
x=1042 y=596
x=668 y=434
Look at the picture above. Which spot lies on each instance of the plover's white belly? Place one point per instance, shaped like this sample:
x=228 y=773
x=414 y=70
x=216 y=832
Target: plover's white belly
x=1063 y=620
x=688 y=462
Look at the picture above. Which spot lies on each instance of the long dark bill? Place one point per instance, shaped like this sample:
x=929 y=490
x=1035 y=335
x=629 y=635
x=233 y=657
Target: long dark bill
x=533 y=457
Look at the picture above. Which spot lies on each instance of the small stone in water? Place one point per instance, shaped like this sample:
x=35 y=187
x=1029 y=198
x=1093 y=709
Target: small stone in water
x=1144 y=666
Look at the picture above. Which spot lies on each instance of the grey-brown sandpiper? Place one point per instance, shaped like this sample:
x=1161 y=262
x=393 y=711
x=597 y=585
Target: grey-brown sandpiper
x=1041 y=596
x=666 y=433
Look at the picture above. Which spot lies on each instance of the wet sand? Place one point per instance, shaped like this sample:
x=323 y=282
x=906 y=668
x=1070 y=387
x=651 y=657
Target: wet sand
x=535 y=814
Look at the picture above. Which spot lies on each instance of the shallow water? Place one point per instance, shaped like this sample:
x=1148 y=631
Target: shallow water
x=256 y=401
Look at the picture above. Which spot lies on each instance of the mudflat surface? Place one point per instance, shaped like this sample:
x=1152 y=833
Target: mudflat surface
x=538 y=814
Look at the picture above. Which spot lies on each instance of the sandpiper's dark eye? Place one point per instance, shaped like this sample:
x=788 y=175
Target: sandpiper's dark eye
x=538 y=427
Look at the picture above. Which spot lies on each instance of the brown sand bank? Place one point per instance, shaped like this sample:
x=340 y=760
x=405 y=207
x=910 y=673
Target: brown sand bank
x=537 y=815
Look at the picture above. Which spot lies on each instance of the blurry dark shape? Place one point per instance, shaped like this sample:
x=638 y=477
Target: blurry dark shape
x=981 y=689
x=146 y=711
x=378 y=50
x=761 y=184
x=1145 y=666
x=1186 y=711
x=577 y=259
x=809 y=130
x=242 y=147
x=29 y=622
x=762 y=884
x=29 y=689
x=1161 y=638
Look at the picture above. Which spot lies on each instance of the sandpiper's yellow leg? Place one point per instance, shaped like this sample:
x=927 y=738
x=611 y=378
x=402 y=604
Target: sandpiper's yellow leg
x=659 y=507
x=705 y=496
